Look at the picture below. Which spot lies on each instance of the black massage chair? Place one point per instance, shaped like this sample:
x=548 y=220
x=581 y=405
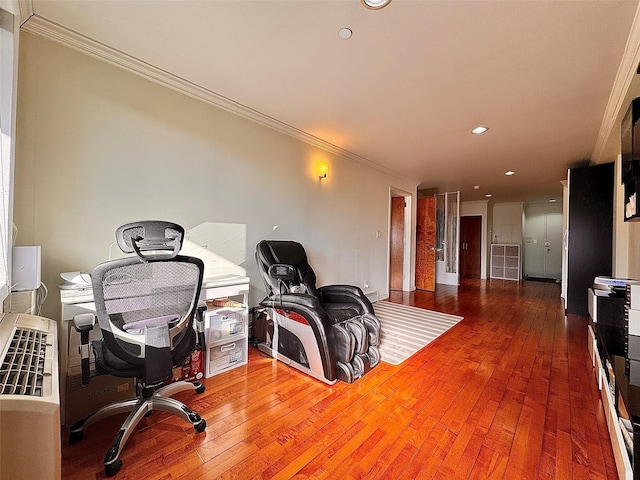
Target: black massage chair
x=330 y=332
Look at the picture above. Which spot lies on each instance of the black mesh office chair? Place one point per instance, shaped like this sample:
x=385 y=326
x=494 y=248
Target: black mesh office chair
x=145 y=305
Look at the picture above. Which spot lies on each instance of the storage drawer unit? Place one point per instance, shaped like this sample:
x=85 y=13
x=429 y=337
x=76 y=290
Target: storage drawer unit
x=226 y=324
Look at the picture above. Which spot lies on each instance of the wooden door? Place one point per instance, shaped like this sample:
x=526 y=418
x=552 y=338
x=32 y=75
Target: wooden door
x=426 y=244
x=396 y=244
x=470 y=246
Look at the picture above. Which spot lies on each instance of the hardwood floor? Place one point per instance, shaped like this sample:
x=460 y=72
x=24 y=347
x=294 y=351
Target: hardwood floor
x=508 y=393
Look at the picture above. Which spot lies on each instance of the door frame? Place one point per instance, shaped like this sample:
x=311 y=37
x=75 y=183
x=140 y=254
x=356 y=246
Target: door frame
x=461 y=248
x=538 y=212
x=425 y=205
x=409 y=227
x=475 y=209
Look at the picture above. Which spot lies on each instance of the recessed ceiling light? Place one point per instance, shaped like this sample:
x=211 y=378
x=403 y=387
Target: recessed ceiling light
x=479 y=130
x=488 y=195
x=552 y=200
x=509 y=173
x=345 y=33
x=476 y=187
x=375 y=4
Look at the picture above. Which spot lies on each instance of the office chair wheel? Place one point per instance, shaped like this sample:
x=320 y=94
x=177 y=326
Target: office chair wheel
x=75 y=437
x=111 y=469
x=200 y=426
x=199 y=388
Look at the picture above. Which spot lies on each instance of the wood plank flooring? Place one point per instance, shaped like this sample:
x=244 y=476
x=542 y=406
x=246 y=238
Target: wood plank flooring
x=508 y=393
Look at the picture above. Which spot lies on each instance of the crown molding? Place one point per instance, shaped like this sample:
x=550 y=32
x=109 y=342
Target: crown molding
x=626 y=71
x=41 y=26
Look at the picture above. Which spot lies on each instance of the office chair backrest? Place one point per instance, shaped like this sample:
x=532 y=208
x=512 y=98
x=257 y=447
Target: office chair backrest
x=150 y=235
x=285 y=252
x=138 y=298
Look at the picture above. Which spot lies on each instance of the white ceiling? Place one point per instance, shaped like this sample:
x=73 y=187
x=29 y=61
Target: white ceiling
x=407 y=88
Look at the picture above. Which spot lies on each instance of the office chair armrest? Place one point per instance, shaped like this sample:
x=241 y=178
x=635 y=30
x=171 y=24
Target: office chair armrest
x=345 y=294
x=198 y=325
x=84 y=323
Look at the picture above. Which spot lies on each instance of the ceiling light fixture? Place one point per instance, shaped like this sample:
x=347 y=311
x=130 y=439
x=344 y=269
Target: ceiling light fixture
x=375 y=4
x=488 y=195
x=345 y=33
x=552 y=200
x=476 y=187
x=509 y=173
x=479 y=130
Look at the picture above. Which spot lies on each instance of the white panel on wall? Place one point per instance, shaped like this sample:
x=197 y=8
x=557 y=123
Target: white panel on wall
x=507 y=223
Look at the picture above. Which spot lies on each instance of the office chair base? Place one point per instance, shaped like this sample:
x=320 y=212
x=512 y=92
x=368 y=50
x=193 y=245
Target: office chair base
x=113 y=468
x=139 y=408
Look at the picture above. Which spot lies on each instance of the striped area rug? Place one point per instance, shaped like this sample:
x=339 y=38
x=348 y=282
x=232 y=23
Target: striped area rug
x=405 y=329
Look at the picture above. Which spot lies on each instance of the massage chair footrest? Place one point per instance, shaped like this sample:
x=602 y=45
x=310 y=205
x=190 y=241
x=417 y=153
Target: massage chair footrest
x=345 y=372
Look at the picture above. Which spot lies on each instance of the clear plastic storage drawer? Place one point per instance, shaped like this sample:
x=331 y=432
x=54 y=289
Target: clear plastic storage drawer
x=228 y=355
x=223 y=324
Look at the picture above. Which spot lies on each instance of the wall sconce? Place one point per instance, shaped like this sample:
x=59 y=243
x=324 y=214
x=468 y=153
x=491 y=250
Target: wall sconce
x=322 y=170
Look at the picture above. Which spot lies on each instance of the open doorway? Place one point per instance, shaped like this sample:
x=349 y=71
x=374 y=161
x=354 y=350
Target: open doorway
x=470 y=246
x=399 y=240
x=447 y=237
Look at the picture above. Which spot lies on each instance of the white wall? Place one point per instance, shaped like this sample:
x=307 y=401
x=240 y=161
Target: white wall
x=480 y=208
x=98 y=147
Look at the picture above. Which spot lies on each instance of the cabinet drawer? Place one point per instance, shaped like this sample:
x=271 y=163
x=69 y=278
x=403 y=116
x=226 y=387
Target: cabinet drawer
x=221 y=325
x=511 y=250
x=228 y=355
x=511 y=273
x=623 y=463
x=592 y=345
x=511 y=262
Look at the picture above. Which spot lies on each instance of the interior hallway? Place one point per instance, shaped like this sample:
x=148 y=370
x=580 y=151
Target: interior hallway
x=508 y=393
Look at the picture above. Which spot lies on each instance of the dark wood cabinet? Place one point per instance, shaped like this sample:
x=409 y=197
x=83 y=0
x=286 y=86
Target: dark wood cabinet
x=590 y=232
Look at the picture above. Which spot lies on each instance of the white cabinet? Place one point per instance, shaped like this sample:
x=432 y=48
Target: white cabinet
x=226 y=323
x=505 y=261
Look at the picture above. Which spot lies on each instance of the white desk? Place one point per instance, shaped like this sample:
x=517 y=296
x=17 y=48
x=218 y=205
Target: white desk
x=76 y=301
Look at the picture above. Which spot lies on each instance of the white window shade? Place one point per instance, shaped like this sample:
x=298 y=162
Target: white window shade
x=7 y=122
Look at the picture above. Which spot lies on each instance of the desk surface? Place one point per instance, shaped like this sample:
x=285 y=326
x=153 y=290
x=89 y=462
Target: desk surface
x=224 y=281
x=85 y=294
